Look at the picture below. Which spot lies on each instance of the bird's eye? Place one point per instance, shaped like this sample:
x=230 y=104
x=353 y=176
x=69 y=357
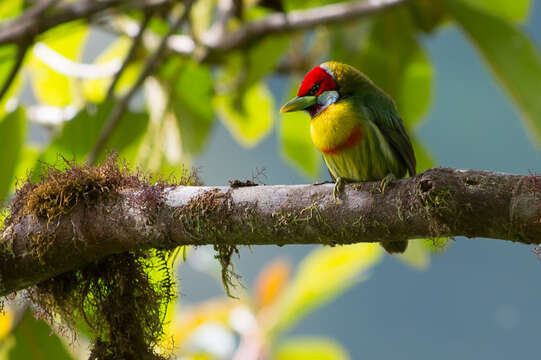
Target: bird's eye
x=314 y=89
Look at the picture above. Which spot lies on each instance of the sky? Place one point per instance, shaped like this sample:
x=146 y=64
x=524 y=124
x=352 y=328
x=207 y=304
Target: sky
x=478 y=300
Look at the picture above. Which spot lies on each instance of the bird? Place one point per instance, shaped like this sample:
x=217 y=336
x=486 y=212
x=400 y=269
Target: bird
x=356 y=127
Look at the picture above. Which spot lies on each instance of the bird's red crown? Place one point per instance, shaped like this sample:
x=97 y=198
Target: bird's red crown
x=316 y=82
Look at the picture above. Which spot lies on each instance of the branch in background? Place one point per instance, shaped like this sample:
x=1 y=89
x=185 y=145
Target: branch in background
x=136 y=42
x=438 y=202
x=294 y=21
x=31 y=24
x=151 y=64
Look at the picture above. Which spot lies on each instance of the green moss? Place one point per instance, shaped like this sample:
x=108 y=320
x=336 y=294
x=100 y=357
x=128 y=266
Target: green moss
x=116 y=297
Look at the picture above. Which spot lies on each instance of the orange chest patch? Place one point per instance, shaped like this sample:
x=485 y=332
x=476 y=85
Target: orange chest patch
x=353 y=139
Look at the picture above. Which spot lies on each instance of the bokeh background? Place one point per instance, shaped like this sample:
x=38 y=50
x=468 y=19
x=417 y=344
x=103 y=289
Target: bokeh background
x=478 y=299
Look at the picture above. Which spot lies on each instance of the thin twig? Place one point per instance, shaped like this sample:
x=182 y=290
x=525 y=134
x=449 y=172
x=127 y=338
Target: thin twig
x=131 y=54
x=152 y=63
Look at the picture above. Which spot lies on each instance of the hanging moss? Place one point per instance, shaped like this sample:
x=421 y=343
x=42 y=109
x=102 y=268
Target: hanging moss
x=122 y=305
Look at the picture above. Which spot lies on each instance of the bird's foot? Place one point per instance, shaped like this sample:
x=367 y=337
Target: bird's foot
x=338 y=189
x=386 y=180
x=323 y=182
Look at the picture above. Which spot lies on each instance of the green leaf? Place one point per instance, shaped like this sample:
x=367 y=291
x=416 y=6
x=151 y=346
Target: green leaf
x=311 y=348
x=510 y=54
x=417 y=255
x=248 y=118
x=190 y=92
x=423 y=156
x=12 y=131
x=34 y=340
x=96 y=89
x=427 y=14
x=296 y=144
x=79 y=135
x=245 y=68
x=516 y=10
x=51 y=87
x=322 y=276
x=8 y=54
x=395 y=61
x=11 y=8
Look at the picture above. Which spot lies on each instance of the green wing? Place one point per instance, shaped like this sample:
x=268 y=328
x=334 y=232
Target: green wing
x=391 y=126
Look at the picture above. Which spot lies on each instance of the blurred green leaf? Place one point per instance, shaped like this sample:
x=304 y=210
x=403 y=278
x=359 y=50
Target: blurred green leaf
x=11 y=8
x=511 y=55
x=427 y=14
x=436 y=245
x=51 y=87
x=35 y=340
x=245 y=68
x=96 y=89
x=395 y=61
x=190 y=92
x=79 y=135
x=517 y=10
x=201 y=16
x=311 y=348
x=8 y=54
x=12 y=131
x=296 y=144
x=417 y=255
x=322 y=276
x=248 y=118
x=27 y=161
x=424 y=159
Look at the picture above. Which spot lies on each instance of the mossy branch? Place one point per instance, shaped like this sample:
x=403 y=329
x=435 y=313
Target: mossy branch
x=36 y=246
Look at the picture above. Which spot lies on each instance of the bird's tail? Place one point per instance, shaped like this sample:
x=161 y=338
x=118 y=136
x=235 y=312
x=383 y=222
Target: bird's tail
x=395 y=247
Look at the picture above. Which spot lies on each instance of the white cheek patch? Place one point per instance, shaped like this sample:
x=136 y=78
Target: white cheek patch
x=328 y=71
x=326 y=98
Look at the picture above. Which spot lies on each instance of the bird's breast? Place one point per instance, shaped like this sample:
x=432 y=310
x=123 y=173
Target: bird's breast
x=337 y=128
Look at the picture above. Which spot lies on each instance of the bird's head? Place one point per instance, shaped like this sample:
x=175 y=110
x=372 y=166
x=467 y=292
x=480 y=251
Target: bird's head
x=318 y=90
x=326 y=84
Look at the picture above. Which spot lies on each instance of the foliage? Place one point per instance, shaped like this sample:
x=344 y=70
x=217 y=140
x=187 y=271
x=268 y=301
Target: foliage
x=171 y=122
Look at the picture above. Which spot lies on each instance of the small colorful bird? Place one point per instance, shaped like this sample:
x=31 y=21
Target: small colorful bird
x=356 y=126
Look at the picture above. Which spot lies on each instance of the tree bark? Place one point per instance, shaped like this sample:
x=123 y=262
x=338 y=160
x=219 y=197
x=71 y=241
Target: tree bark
x=438 y=202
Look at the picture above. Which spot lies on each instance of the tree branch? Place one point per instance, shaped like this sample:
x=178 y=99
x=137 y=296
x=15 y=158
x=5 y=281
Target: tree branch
x=32 y=23
x=438 y=202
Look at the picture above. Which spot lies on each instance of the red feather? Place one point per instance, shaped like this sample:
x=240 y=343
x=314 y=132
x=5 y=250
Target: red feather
x=317 y=76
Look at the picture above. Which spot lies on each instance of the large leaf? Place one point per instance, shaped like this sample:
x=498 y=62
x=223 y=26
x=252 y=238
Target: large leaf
x=322 y=276
x=79 y=135
x=190 y=94
x=12 y=130
x=96 y=89
x=51 y=87
x=296 y=143
x=395 y=61
x=507 y=9
x=311 y=348
x=248 y=118
x=510 y=54
x=33 y=340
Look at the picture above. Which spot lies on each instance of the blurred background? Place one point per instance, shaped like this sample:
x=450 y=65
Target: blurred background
x=465 y=75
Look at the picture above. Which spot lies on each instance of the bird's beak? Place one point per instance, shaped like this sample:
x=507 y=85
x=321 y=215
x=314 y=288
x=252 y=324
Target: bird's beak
x=298 y=103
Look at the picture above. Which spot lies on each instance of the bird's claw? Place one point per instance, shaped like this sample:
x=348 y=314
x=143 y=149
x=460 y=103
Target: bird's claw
x=385 y=181
x=338 y=189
